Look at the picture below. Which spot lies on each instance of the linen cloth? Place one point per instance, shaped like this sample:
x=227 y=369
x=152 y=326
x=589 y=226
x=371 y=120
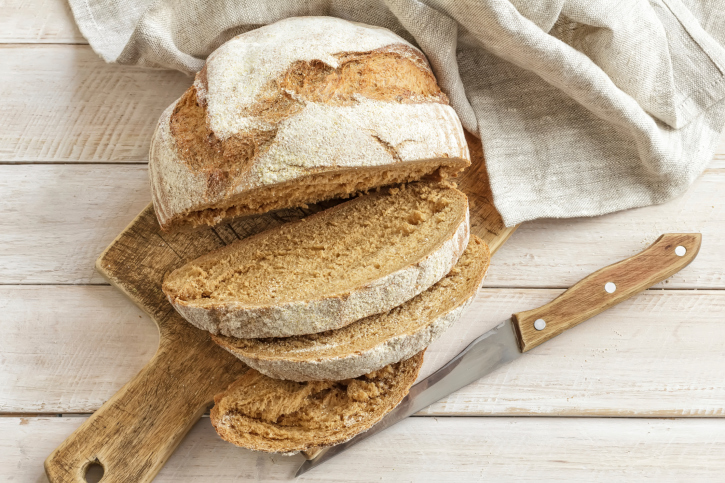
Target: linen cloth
x=584 y=107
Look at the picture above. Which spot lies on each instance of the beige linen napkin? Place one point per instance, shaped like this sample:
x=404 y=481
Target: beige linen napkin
x=584 y=107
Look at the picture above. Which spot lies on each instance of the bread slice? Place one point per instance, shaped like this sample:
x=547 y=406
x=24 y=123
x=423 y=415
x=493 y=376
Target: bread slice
x=359 y=258
x=265 y=414
x=296 y=112
x=374 y=342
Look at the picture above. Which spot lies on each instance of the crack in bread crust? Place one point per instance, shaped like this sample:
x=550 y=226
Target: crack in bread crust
x=385 y=74
x=269 y=126
x=396 y=73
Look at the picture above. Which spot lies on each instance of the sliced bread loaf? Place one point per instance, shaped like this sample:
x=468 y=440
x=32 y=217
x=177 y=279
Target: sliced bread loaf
x=359 y=258
x=373 y=342
x=265 y=414
x=299 y=111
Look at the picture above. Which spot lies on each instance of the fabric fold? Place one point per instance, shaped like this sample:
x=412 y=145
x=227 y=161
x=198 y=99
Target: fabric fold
x=584 y=107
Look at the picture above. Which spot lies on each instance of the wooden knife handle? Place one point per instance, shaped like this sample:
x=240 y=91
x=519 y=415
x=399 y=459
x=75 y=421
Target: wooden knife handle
x=605 y=288
x=133 y=434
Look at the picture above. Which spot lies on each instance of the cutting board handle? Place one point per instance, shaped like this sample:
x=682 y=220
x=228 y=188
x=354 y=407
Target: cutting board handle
x=133 y=434
x=605 y=288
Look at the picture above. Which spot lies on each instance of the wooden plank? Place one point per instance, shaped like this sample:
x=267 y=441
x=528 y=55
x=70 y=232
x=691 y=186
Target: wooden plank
x=152 y=412
x=77 y=210
x=559 y=252
x=658 y=354
x=430 y=450
x=57 y=219
x=63 y=103
x=38 y=21
x=69 y=347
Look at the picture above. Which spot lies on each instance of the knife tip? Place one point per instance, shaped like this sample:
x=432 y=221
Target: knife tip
x=303 y=468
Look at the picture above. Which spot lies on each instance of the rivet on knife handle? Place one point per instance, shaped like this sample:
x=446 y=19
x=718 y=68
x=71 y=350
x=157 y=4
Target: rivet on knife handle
x=605 y=288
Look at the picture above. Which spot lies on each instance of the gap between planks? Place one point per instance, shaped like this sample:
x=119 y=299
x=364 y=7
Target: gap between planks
x=58 y=219
x=423 y=416
x=38 y=22
x=63 y=103
x=430 y=449
x=512 y=287
x=656 y=355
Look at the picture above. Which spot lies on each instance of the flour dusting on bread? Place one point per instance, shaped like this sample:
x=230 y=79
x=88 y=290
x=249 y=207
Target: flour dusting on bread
x=297 y=112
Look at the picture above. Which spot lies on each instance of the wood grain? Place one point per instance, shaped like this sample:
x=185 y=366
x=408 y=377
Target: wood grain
x=77 y=210
x=485 y=220
x=63 y=103
x=133 y=434
x=590 y=296
x=431 y=450
x=56 y=220
x=149 y=414
x=38 y=21
x=67 y=349
x=88 y=341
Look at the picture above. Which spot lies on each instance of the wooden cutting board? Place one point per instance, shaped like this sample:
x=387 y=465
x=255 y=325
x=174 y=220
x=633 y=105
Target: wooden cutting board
x=134 y=433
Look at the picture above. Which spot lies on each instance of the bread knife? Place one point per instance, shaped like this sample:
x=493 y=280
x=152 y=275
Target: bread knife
x=526 y=330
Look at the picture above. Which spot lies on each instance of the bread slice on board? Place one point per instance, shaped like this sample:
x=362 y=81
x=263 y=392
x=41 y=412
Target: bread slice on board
x=359 y=258
x=265 y=414
x=373 y=342
x=296 y=112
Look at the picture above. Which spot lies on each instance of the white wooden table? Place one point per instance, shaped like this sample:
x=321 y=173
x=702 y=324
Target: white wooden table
x=636 y=393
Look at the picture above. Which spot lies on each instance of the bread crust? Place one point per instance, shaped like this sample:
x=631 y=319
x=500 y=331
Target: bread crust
x=357 y=363
x=354 y=365
x=318 y=315
x=317 y=136
x=250 y=433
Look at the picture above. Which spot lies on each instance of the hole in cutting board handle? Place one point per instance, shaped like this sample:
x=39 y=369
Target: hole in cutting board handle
x=94 y=472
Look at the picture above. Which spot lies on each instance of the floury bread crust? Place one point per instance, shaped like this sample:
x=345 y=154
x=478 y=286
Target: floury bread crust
x=296 y=112
x=360 y=258
x=275 y=416
x=374 y=342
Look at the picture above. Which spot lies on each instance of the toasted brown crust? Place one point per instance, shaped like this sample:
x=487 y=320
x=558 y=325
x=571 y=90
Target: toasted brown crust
x=203 y=153
x=396 y=73
x=275 y=416
x=201 y=177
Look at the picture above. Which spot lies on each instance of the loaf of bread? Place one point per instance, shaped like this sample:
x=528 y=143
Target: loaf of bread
x=296 y=112
x=276 y=416
x=374 y=342
x=359 y=258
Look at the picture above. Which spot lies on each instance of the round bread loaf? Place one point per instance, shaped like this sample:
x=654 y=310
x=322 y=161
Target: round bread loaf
x=296 y=112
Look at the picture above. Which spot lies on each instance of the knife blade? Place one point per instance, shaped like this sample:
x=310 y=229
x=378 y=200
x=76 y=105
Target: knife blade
x=513 y=337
